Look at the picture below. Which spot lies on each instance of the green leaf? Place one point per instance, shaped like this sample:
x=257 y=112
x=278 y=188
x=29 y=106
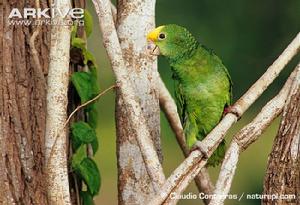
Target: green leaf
x=90 y=174
x=88 y=23
x=88 y=57
x=78 y=157
x=92 y=115
x=79 y=43
x=94 y=80
x=83 y=85
x=95 y=145
x=93 y=70
x=87 y=198
x=74 y=32
x=92 y=108
x=76 y=143
x=83 y=131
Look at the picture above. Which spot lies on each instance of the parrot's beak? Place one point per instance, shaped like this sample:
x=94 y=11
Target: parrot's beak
x=153 y=49
x=152 y=38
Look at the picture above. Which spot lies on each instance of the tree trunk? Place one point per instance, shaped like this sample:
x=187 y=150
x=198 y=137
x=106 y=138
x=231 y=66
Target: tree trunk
x=134 y=20
x=22 y=109
x=56 y=136
x=283 y=172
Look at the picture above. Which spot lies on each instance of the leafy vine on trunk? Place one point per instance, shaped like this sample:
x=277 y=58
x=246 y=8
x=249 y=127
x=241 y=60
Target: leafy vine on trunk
x=83 y=134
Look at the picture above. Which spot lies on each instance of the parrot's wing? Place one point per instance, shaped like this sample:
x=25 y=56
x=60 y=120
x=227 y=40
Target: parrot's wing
x=180 y=101
x=188 y=122
x=229 y=101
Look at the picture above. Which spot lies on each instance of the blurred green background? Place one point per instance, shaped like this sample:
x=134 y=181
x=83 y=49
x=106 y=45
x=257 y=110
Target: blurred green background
x=247 y=35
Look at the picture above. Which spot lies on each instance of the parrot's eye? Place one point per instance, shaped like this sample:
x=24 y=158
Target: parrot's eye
x=162 y=36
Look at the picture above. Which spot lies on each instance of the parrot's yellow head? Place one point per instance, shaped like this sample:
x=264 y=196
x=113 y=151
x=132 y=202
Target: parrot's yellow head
x=171 y=41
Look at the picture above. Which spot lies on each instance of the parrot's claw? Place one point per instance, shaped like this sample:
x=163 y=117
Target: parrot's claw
x=232 y=110
x=202 y=148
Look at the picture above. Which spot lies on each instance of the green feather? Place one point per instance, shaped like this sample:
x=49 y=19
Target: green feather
x=203 y=87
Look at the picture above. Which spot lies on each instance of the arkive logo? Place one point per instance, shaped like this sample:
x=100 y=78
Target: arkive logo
x=38 y=16
x=75 y=13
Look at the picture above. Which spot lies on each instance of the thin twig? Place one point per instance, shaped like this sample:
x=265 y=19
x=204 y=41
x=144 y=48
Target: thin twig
x=71 y=115
x=191 y=166
x=88 y=102
x=246 y=136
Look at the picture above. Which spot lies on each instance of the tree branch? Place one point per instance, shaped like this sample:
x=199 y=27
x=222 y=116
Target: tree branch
x=191 y=166
x=138 y=122
x=57 y=101
x=168 y=105
x=114 y=12
x=246 y=136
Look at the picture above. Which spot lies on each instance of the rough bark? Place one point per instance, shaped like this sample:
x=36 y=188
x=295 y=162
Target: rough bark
x=22 y=109
x=283 y=172
x=133 y=180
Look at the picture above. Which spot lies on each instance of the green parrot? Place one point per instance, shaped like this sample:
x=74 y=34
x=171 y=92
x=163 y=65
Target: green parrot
x=203 y=87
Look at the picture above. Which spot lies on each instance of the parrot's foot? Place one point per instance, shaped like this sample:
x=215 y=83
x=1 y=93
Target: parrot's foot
x=232 y=110
x=202 y=148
